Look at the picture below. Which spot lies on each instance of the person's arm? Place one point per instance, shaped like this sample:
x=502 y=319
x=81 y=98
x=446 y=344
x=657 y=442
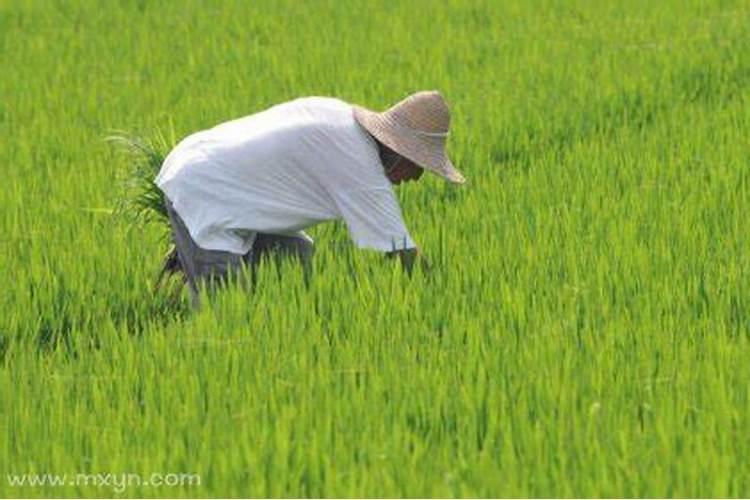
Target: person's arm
x=373 y=217
x=409 y=257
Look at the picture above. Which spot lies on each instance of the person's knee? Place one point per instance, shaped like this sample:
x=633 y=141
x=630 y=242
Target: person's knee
x=305 y=248
x=298 y=248
x=294 y=246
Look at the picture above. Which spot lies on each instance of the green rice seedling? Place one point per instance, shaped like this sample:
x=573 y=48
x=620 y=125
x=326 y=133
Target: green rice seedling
x=584 y=330
x=140 y=201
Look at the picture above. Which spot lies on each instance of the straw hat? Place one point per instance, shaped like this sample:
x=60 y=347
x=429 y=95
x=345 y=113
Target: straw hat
x=416 y=128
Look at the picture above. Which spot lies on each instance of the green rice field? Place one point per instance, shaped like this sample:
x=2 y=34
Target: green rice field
x=585 y=328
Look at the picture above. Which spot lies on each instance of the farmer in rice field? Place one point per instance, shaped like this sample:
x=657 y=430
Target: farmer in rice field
x=249 y=187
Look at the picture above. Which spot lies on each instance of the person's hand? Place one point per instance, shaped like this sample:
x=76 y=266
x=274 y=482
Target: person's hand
x=409 y=257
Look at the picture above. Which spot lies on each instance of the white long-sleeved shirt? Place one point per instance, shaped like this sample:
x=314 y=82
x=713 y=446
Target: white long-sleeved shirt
x=280 y=171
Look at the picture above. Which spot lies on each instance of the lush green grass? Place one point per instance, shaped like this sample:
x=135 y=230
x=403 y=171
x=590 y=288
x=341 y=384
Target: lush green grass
x=585 y=330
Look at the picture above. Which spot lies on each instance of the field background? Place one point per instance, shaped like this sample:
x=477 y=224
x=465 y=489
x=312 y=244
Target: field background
x=585 y=330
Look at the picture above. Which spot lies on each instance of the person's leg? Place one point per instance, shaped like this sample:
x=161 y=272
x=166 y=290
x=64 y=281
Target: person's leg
x=299 y=246
x=201 y=266
x=183 y=244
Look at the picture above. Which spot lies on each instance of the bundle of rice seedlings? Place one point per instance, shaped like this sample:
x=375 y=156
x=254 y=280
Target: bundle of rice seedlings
x=141 y=201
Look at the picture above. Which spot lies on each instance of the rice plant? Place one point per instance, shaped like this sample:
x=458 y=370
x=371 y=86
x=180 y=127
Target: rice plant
x=141 y=201
x=584 y=329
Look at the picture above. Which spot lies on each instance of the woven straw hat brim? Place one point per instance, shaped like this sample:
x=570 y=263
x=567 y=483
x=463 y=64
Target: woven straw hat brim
x=426 y=151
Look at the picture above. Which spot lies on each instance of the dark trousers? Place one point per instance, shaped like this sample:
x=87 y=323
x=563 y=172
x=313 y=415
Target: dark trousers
x=209 y=268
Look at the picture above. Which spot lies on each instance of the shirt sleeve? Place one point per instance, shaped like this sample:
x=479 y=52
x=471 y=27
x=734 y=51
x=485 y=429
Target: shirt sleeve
x=373 y=217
